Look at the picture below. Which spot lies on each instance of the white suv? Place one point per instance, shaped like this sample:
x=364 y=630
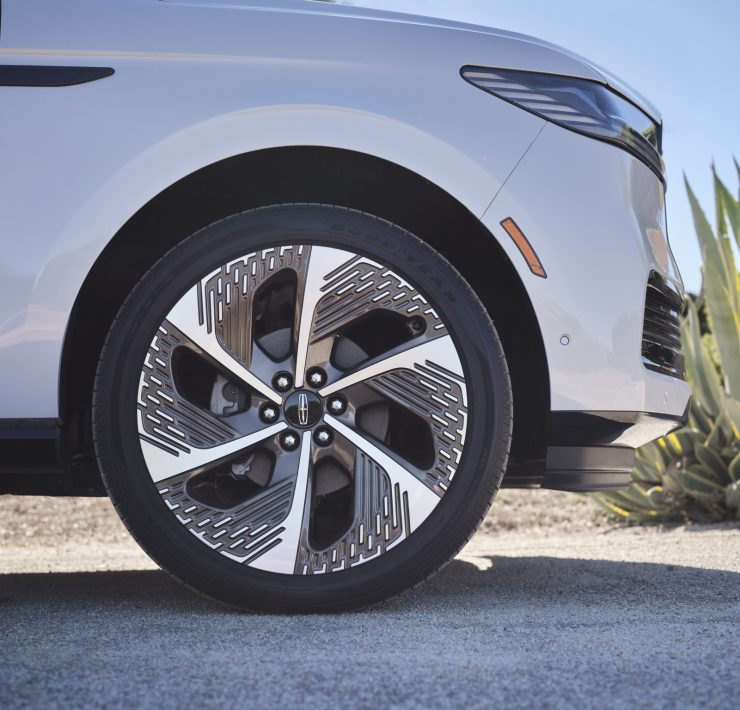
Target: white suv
x=302 y=285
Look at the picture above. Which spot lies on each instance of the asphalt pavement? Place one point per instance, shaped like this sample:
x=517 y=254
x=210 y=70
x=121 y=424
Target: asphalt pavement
x=588 y=619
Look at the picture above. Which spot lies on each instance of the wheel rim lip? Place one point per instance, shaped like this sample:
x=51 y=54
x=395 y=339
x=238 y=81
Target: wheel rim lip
x=325 y=411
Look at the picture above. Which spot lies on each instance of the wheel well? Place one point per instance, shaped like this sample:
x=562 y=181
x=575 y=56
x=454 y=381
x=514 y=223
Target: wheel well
x=305 y=174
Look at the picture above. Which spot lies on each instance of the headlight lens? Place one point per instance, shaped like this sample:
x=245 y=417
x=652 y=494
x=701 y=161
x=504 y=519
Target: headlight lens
x=579 y=105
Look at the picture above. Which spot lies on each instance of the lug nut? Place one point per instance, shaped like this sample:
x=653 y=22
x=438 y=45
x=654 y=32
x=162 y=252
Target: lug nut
x=316 y=377
x=268 y=413
x=282 y=382
x=289 y=440
x=418 y=325
x=323 y=436
x=337 y=405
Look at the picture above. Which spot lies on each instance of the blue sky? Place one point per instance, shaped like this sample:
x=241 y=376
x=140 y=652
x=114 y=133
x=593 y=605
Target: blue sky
x=682 y=54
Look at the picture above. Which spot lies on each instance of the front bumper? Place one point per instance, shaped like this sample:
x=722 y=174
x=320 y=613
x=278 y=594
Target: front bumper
x=595 y=216
x=592 y=451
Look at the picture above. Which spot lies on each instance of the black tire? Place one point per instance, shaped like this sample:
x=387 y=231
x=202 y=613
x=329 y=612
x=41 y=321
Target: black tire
x=450 y=524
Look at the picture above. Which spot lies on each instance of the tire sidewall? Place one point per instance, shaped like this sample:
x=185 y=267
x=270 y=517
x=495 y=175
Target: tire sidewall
x=143 y=509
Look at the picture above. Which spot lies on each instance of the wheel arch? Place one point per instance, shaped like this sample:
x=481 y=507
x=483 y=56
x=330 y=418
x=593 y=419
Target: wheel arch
x=305 y=174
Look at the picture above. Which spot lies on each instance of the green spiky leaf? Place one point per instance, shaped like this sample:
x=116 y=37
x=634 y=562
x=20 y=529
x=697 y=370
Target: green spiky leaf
x=720 y=285
x=715 y=469
x=695 y=483
x=733 y=470
x=732 y=497
x=699 y=368
x=726 y=204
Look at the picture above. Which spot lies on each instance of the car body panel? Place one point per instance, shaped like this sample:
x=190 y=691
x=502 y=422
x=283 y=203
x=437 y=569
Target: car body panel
x=196 y=82
x=123 y=144
x=598 y=253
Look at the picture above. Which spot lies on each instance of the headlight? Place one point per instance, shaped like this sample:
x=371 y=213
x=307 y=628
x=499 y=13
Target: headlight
x=579 y=105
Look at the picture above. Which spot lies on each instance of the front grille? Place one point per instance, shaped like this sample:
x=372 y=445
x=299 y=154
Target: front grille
x=661 y=335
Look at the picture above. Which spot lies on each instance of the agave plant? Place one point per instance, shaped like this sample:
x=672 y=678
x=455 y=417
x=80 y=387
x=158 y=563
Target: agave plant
x=694 y=473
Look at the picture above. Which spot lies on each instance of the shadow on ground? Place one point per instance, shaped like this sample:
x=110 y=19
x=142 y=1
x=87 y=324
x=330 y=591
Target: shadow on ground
x=531 y=631
x=507 y=580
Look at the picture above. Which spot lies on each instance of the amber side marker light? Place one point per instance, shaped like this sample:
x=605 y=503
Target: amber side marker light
x=522 y=243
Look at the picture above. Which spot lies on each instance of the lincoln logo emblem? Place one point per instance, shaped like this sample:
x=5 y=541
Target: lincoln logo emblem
x=302 y=409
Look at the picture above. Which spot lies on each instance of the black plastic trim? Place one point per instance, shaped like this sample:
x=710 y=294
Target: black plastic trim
x=591 y=451
x=595 y=451
x=42 y=482
x=576 y=481
x=632 y=429
x=588 y=468
x=29 y=445
x=25 y=427
x=661 y=332
x=35 y=75
x=31 y=462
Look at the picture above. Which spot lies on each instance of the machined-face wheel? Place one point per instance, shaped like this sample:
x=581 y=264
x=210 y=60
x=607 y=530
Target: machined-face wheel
x=301 y=408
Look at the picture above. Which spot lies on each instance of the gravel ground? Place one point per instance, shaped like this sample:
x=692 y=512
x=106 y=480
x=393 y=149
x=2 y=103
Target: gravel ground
x=548 y=605
x=24 y=521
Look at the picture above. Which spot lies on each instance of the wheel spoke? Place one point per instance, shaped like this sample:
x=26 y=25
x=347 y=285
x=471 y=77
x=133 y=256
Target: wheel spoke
x=281 y=557
x=441 y=351
x=163 y=464
x=322 y=262
x=187 y=317
x=421 y=500
x=331 y=502
x=380 y=516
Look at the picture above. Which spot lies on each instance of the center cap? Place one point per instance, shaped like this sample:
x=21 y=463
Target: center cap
x=303 y=408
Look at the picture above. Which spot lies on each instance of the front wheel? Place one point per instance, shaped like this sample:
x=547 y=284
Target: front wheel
x=302 y=408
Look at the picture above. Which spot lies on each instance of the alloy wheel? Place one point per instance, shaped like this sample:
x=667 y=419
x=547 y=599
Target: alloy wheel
x=302 y=409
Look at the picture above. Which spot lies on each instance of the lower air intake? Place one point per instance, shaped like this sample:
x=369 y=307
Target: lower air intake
x=661 y=336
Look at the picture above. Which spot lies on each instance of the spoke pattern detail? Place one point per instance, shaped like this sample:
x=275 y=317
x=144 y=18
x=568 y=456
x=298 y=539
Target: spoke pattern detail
x=229 y=292
x=381 y=520
x=421 y=499
x=242 y=533
x=188 y=317
x=163 y=465
x=440 y=397
x=281 y=556
x=440 y=351
x=323 y=264
x=361 y=286
x=167 y=420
